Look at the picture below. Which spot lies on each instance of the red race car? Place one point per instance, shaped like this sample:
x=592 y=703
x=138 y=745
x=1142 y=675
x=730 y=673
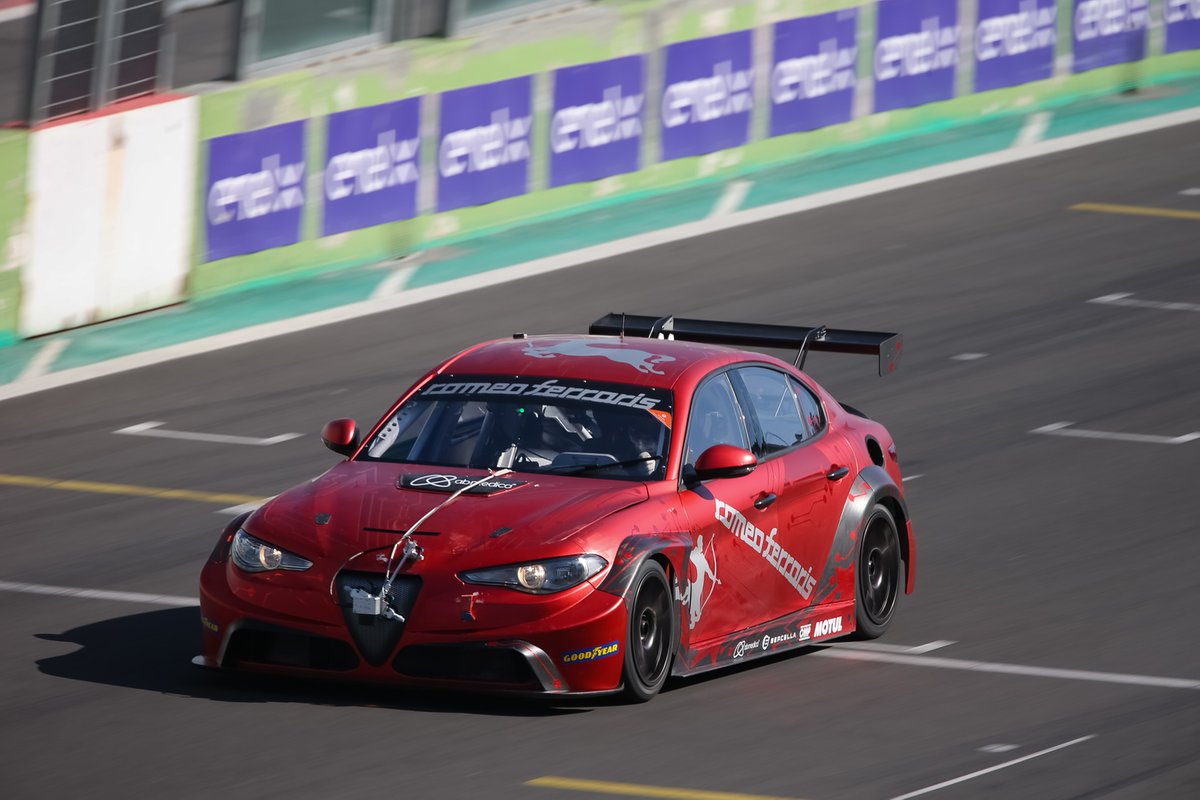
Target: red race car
x=578 y=514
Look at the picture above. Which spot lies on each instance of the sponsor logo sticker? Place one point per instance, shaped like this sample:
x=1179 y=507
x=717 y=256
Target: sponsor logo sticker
x=827 y=626
x=1109 y=32
x=439 y=482
x=592 y=653
x=551 y=389
x=799 y=576
x=1015 y=42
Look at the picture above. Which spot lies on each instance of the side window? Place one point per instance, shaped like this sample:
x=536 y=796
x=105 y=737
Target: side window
x=810 y=407
x=715 y=419
x=774 y=404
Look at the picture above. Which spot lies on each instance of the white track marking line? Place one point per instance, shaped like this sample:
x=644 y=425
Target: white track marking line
x=731 y=199
x=44 y=359
x=598 y=252
x=998 y=748
x=394 y=283
x=936 y=662
x=908 y=478
x=968 y=356
x=1064 y=429
x=1123 y=299
x=154 y=429
x=233 y=511
x=1191 y=192
x=98 y=594
x=1005 y=765
x=882 y=647
x=1033 y=130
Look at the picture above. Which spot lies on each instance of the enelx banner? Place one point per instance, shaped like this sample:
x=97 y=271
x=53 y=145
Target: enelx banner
x=1182 y=18
x=814 y=71
x=1108 y=32
x=254 y=198
x=916 y=52
x=372 y=166
x=483 y=146
x=708 y=95
x=596 y=125
x=1015 y=42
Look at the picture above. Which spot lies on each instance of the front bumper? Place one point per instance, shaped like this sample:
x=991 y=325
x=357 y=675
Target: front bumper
x=301 y=629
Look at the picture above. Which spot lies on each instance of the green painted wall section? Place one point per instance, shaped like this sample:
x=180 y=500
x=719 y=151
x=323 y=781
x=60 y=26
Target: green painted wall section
x=14 y=160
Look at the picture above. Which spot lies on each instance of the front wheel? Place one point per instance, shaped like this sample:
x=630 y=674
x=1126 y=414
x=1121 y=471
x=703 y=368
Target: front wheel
x=877 y=583
x=650 y=640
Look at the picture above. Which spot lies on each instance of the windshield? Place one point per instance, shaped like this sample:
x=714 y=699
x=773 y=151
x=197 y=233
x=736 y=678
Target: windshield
x=566 y=427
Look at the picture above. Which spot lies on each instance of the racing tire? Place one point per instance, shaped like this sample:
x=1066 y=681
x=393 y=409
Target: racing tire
x=877 y=575
x=652 y=633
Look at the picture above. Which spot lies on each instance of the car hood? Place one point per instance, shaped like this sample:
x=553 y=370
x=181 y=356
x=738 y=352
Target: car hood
x=357 y=508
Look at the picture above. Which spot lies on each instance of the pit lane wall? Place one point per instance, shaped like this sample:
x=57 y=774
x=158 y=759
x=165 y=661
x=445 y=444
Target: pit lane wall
x=427 y=142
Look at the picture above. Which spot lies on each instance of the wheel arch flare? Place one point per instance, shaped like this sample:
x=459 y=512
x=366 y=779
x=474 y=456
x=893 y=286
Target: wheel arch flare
x=872 y=486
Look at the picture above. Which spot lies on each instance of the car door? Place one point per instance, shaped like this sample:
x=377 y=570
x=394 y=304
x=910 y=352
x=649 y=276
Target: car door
x=729 y=519
x=811 y=475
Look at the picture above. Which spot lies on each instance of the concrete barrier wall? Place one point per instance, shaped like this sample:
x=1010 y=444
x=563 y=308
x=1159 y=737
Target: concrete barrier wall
x=428 y=142
x=109 y=223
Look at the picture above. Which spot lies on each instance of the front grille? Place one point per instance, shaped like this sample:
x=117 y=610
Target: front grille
x=259 y=643
x=376 y=637
x=476 y=663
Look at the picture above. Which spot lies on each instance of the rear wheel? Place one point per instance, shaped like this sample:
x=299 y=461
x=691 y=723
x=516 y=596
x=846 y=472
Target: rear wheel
x=877 y=583
x=650 y=642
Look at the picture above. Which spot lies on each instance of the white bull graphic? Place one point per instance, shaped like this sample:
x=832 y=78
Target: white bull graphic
x=640 y=360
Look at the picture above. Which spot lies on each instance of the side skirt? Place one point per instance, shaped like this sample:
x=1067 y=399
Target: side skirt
x=800 y=629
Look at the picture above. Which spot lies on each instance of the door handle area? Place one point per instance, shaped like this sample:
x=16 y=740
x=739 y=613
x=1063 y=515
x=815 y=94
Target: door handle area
x=837 y=473
x=765 y=499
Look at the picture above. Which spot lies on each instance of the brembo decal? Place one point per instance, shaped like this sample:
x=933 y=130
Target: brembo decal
x=439 y=482
x=795 y=573
x=592 y=653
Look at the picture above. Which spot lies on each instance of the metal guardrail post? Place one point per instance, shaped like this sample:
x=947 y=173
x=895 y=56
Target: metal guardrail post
x=101 y=82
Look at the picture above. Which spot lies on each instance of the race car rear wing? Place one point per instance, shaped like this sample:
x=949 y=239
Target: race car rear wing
x=887 y=347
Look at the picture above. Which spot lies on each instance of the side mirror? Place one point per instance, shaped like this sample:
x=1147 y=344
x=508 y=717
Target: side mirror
x=724 y=461
x=341 y=436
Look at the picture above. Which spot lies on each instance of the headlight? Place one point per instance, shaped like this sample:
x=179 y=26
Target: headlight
x=254 y=555
x=540 y=577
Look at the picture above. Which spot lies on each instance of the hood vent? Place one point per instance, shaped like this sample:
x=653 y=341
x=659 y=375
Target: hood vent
x=401 y=533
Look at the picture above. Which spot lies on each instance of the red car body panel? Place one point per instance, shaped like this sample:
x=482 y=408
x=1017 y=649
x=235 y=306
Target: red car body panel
x=748 y=580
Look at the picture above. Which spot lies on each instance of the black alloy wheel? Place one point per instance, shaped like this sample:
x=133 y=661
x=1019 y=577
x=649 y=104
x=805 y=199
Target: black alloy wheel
x=877 y=583
x=650 y=643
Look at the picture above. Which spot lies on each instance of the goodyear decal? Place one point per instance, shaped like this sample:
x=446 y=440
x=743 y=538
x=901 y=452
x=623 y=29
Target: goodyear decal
x=209 y=624
x=592 y=653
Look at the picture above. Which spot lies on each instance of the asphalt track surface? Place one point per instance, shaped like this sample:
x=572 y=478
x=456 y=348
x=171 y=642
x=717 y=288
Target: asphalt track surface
x=1044 y=551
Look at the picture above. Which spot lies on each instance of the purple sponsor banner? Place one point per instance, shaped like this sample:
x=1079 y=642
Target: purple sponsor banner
x=1183 y=25
x=596 y=127
x=814 y=72
x=255 y=190
x=709 y=95
x=916 y=52
x=1014 y=42
x=483 y=149
x=371 y=166
x=1108 y=32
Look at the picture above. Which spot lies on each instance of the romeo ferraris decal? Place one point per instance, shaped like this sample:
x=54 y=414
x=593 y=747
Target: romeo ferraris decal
x=795 y=573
